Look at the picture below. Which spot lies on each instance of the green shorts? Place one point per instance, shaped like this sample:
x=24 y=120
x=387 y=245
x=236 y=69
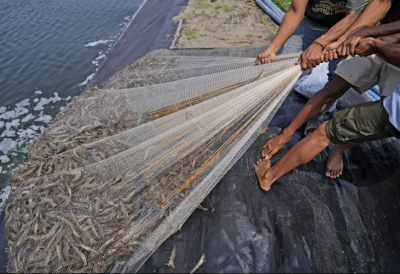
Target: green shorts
x=361 y=123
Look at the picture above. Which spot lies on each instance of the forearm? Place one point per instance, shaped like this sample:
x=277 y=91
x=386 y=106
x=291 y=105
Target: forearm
x=374 y=12
x=338 y=30
x=389 y=52
x=290 y=22
x=380 y=30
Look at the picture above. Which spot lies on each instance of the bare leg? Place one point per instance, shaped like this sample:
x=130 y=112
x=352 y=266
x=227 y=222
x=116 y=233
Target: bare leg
x=303 y=152
x=334 y=166
x=317 y=104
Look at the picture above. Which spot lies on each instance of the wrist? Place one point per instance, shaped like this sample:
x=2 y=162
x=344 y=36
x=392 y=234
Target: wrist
x=377 y=44
x=319 y=44
x=272 y=48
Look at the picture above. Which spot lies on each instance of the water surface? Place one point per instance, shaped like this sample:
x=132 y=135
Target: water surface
x=49 y=49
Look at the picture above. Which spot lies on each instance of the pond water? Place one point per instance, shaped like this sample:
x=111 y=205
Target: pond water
x=50 y=49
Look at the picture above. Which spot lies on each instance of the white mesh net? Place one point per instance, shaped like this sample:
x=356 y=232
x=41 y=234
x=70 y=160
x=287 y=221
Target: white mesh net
x=121 y=169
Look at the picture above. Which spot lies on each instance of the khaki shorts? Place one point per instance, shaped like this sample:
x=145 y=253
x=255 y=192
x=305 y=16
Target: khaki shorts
x=361 y=123
x=365 y=72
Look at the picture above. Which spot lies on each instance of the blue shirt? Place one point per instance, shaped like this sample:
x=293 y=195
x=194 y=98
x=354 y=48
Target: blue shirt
x=392 y=106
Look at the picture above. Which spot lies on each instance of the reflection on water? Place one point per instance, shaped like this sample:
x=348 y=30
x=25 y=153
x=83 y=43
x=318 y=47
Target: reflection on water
x=50 y=49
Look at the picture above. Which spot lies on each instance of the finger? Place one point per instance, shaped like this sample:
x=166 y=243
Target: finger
x=266 y=61
x=353 y=45
x=347 y=49
x=331 y=55
x=314 y=64
x=328 y=56
x=304 y=65
x=339 y=49
x=343 y=51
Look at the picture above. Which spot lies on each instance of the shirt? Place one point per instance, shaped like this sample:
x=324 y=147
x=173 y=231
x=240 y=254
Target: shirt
x=392 y=107
x=321 y=15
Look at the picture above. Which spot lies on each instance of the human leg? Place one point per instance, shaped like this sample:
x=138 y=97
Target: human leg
x=334 y=165
x=301 y=153
x=351 y=126
x=317 y=103
x=388 y=79
x=331 y=109
x=354 y=125
x=300 y=41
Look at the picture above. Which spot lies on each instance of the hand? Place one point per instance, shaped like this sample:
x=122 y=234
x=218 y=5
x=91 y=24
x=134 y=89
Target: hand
x=329 y=53
x=348 y=46
x=311 y=57
x=264 y=57
x=366 y=46
x=329 y=56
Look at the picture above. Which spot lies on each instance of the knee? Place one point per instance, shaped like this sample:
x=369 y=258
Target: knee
x=320 y=132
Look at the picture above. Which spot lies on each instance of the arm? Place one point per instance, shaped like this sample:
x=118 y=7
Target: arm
x=290 y=22
x=390 y=52
x=332 y=39
x=374 y=12
x=391 y=39
x=379 y=30
x=311 y=57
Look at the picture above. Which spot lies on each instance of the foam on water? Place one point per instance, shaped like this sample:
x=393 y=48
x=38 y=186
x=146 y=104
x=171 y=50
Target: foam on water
x=87 y=80
x=45 y=101
x=95 y=43
x=4 y=194
x=16 y=122
x=24 y=121
x=20 y=125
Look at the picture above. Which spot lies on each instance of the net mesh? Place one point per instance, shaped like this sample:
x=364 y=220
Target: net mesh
x=120 y=169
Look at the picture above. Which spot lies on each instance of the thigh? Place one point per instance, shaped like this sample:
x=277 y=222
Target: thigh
x=361 y=123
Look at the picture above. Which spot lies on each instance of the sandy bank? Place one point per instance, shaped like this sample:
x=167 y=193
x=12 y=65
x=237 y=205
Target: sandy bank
x=222 y=23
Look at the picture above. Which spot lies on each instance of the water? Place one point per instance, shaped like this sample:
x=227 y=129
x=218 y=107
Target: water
x=49 y=50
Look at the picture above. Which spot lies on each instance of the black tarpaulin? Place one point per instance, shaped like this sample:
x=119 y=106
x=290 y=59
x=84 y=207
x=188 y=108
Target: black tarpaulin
x=306 y=222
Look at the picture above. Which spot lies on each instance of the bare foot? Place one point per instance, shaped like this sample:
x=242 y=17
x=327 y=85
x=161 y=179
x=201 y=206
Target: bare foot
x=334 y=166
x=275 y=144
x=261 y=168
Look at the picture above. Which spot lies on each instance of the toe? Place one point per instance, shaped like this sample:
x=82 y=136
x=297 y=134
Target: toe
x=327 y=174
x=337 y=174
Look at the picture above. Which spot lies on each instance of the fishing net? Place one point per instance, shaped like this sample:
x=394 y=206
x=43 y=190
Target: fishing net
x=121 y=168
